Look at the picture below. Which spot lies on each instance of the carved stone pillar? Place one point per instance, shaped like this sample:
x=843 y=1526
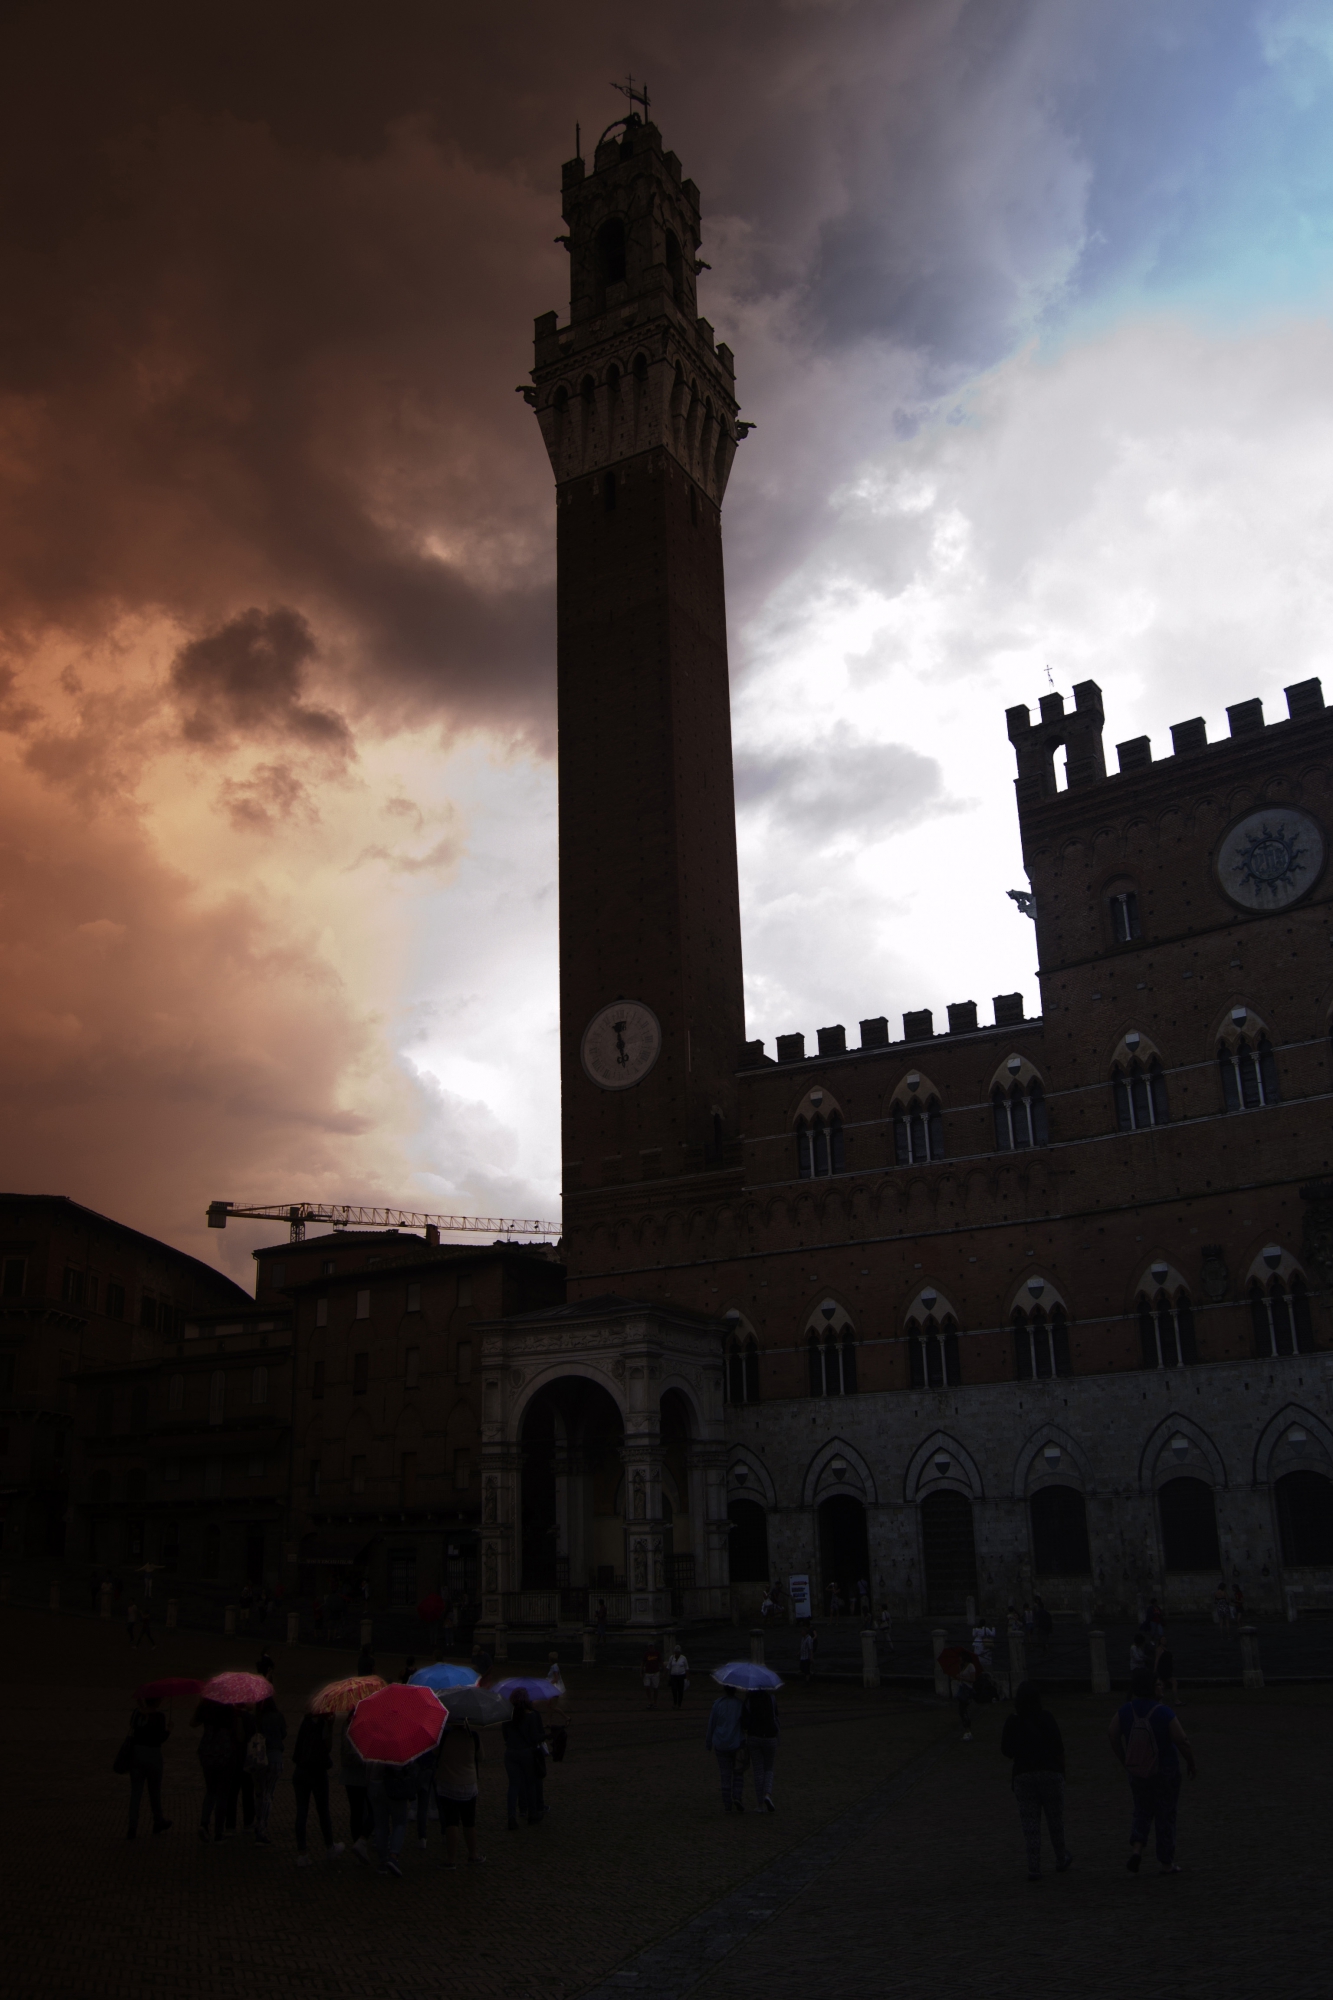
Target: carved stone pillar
x=647 y=1543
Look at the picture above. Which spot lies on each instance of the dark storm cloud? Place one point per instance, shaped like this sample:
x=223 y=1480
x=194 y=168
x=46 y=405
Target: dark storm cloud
x=247 y=679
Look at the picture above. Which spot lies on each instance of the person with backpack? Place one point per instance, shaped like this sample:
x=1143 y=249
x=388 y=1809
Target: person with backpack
x=217 y=1760
x=270 y=1733
x=1031 y=1736
x=525 y=1752
x=457 y=1784
x=1147 y=1738
x=761 y=1737
x=149 y=1730
x=311 y=1760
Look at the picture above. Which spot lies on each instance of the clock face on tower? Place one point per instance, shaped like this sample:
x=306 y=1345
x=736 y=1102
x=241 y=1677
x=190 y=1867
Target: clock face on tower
x=621 y=1044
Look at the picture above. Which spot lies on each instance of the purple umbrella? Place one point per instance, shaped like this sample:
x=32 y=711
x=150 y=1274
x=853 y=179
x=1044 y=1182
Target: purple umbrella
x=534 y=1689
x=746 y=1674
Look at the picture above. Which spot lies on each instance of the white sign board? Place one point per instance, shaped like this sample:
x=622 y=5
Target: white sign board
x=799 y=1589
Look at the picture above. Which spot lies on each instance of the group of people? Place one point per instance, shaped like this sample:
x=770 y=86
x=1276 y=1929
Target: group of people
x=1147 y=1739
x=243 y=1752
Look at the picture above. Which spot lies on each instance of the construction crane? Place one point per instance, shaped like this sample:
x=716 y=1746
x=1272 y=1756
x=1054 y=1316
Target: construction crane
x=347 y=1215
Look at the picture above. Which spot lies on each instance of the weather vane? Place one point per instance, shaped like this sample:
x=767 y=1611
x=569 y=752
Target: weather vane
x=639 y=96
x=1050 y=677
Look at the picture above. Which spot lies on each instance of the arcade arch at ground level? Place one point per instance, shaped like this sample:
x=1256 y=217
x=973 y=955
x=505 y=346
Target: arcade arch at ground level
x=603 y=1466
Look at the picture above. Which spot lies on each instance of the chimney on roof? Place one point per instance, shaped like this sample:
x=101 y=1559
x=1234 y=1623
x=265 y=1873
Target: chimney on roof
x=432 y=1235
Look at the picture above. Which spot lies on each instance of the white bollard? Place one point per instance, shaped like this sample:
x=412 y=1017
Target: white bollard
x=293 y=1627
x=869 y=1661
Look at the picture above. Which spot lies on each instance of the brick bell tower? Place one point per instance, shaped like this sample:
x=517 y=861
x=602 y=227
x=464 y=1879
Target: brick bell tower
x=637 y=409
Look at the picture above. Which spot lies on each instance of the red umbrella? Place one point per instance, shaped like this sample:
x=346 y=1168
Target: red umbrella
x=173 y=1688
x=954 y=1659
x=397 y=1724
x=237 y=1690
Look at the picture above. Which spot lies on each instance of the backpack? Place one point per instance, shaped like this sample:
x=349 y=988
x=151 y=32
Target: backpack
x=1141 y=1745
x=256 y=1753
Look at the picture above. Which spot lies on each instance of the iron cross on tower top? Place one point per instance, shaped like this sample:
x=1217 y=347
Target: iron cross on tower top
x=639 y=96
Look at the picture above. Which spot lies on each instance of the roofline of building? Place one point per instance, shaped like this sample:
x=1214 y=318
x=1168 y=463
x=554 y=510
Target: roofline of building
x=431 y=1262
x=126 y=1229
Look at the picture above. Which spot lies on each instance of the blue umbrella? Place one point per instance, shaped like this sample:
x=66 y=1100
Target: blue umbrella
x=443 y=1675
x=746 y=1674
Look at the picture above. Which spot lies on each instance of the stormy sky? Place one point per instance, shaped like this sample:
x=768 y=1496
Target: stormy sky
x=1030 y=302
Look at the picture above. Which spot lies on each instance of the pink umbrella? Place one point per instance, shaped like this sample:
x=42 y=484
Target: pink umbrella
x=237 y=1690
x=397 y=1724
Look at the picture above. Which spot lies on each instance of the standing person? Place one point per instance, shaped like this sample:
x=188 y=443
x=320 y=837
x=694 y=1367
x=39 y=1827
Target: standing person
x=409 y=1668
x=557 y=1714
x=807 y=1652
x=244 y=1771
x=354 y=1772
x=1221 y=1605
x=1237 y=1603
x=761 y=1736
x=965 y=1690
x=311 y=1761
x=1147 y=1738
x=678 y=1671
x=217 y=1759
x=652 y=1671
x=524 y=1735
x=1032 y=1738
x=391 y=1788
x=264 y=1664
x=424 y=1766
x=458 y=1783
x=725 y=1736
x=149 y=1729
x=271 y=1725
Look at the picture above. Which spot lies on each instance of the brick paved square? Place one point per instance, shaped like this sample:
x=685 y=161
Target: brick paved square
x=927 y=1894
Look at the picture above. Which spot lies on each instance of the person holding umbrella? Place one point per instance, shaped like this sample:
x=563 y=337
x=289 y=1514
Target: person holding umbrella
x=149 y=1730
x=457 y=1780
x=271 y=1724
x=311 y=1762
x=524 y=1741
x=394 y=1730
x=761 y=1735
x=732 y=1729
x=725 y=1737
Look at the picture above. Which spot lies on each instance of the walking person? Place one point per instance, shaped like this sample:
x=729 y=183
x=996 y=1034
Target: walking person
x=458 y=1784
x=652 y=1671
x=271 y=1727
x=725 y=1737
x=807 y=1652
x=1147 y=1738
x=761 y=1737
x=557 y=1713
x=1032 y=1738
x=311 y=1762
x=149 y=1730
x=524 y=1736
x=964 y=1680
x=244 y=1770
x=678 y=1675
x=217 y=1760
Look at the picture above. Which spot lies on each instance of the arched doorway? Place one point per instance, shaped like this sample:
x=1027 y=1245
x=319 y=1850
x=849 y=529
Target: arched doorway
x=949 y=1551
x=844 y=1547
x=1059 y=1532
x=748 y=1542
x=572 y=1536
x=1305 y=1519
x=1188 y=1513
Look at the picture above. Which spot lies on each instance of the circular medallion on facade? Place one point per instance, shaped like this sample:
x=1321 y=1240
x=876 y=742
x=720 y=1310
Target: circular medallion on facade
x=621 y=1044
x=1271 y=858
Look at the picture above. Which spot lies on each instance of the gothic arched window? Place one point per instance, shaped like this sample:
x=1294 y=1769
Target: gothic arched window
x=1280 y=1315
x=819 y=1146
x=1020 y=1116
x=1041 y=1344
x=1123 y=904
x=1166 y=1329
x=1249 y=1074
x=831 y=1352
x=918 y=1132
x=1140 y=1095
x=934 y=1353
